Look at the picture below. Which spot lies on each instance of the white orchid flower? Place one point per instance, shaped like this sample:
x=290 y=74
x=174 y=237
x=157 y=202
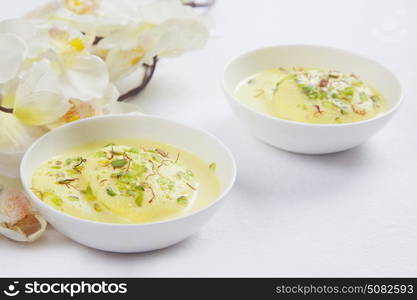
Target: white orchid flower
x=81 y=75
x=132 y=31
x=129 y=49
x=164 y=28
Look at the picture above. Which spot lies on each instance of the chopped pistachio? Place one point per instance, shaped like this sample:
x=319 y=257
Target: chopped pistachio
x=213 y=166
x=57 y=201
x=328 y=104
x=150 y=151
x=138 y=169
x=363 y=97
x=89 y=193
x=182 y=200
x=140 y=188
x=88 y=190
x=110 y=192
x=348 y=91
x=166 y=184
x=133 y=150
x=98 y=207
x=119 y=163
x=139 y=198
x=101 y=154
x=73 y=198
x=156 y=158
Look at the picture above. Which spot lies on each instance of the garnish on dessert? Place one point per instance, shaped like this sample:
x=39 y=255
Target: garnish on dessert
x=311 y=95
x=122 y=183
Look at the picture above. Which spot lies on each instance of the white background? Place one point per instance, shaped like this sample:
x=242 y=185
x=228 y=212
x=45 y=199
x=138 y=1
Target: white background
x=346 y=214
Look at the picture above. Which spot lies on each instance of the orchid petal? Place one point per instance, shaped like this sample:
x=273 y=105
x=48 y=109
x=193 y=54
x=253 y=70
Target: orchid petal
x=121 y=63
x=18 y=220
x=14 y=135
x=79 y=110
x=41 y=108
x=44 y=11
x=35 y=38
x=86 y=109
x=81 y=7
x=8 y=92
x=174 y=37
x=39 y=100
x=125 y=38
x=111 y=95
x=124 y=9
x=12 y=54
x=20 y=27
x=84 y=77
x=100 y=22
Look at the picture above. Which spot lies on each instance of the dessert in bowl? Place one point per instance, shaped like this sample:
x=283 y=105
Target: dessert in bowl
x=311 y=99
x=127 y=183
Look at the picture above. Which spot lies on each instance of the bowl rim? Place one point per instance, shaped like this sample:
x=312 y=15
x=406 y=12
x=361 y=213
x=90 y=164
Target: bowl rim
x=304 y=124
x=87 y=222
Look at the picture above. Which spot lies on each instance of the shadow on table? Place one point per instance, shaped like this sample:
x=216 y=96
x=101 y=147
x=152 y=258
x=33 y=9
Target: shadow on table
x=265 y=169
x=126 y=258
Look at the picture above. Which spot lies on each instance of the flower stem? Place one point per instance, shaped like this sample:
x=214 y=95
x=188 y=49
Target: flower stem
x=149 y=72
x=208 y=3
x=6 y=109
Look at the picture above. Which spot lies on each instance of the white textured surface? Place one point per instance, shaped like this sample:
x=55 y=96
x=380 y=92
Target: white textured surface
x=346 y=214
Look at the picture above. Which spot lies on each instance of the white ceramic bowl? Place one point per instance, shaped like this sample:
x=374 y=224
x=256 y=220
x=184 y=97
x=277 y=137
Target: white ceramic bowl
x=129 y=237
x=303 y=137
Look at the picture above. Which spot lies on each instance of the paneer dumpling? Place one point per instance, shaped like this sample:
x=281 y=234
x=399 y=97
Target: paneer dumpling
x=311 y=96
x=131 y=182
